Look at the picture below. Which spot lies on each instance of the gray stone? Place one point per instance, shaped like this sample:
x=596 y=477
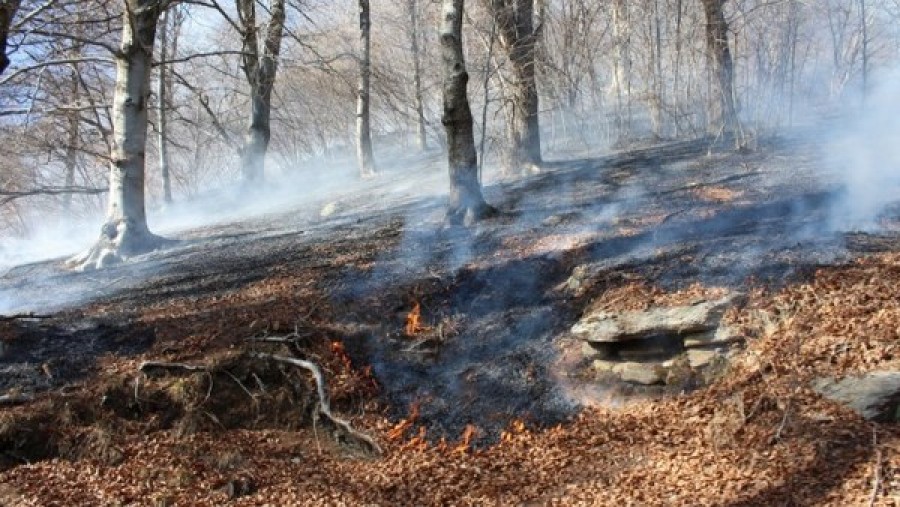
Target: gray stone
x=640 y=373
x=723 y=335
x=608 y=327
x=698 y=358
x=875 y=396
x=604 y=366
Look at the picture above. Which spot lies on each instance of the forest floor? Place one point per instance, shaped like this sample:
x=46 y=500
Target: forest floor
x=451 y=348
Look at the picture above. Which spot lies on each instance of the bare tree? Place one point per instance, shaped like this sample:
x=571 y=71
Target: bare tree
x=260 y=68
x=162 y=96
x=722 y=112
x=518 y=37
x=125 y=232
x=412 y=7
x=622 y=68
x=8 y=10
x=467 y=203
x=364 y=155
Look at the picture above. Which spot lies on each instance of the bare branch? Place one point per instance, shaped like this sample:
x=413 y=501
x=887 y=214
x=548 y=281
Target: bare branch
x=52 y=63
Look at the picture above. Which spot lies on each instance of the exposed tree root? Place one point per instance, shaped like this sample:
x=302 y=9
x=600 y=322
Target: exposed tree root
x=468 y=215
x=118 y=241
x=358 y=438
x=344 y=431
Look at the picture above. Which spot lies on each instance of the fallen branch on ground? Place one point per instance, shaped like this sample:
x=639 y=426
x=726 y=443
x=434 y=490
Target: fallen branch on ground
x=15 y=399
x=23 y=316
x=876 y=482
x=324 y=406
x=161 y=365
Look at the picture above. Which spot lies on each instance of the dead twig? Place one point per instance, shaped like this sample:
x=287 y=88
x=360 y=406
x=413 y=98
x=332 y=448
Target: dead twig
x=876 y=485
x=162 y=365
x=784 y=419
x=324 y=406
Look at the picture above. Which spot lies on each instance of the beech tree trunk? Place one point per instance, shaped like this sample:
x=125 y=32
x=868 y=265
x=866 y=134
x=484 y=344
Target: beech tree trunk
x=125 y=232
x=515 y=20
x=8 y=10
x=421 y=139
x=364 y=156
x=162 y=94
x=722 y=113
x=260 y=68
x=467 y=203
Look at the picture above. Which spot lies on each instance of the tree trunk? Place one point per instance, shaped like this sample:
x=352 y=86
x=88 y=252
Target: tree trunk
x=421 y=139
x=864 y=36
x=364 y=155
x=722 y=113
x=8 y=10
x=518 y=37
x=655 y=94
x=162 y=120
x=260 y=68
x=71 y=155
x=125 y=232
x=467 y=203
x=622 y=69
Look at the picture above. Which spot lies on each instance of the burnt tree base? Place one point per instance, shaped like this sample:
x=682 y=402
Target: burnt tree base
x=468 y=215
x=119 y=240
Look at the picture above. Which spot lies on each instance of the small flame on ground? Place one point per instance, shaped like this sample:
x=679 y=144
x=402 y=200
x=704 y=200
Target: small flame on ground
x=399 y=430
x=337 y=348
x=414 y=324
x=516 y=427
x=418 y=442
x=466 y=439
x=412 y=320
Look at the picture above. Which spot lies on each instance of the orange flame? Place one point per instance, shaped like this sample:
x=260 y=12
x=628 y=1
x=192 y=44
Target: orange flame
x=418 y=442
x=467 y=435
x=516 y=427
x=337 y=348
x=412 y=320
x=399 y=430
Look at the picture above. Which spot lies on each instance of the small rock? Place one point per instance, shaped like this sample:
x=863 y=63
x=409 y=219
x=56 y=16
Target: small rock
x=875 y=396
x=640 y=373
x=328 y=210
x=604 y=366
x=552 y=220
x=698 y=358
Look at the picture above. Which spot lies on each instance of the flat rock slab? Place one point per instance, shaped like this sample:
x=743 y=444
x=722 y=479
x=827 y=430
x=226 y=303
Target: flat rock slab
x=609 y=327
x=723 y=335
x=875 y=396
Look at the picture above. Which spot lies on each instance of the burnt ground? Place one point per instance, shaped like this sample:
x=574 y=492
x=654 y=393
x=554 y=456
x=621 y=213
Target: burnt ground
x=494 y=297
x=496 y=300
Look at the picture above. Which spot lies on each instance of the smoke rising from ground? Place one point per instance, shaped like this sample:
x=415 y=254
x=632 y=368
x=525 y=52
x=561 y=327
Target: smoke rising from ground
x=865 y=156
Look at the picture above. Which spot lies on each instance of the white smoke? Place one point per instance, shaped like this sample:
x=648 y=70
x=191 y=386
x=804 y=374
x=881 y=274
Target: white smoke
x=865 y=156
